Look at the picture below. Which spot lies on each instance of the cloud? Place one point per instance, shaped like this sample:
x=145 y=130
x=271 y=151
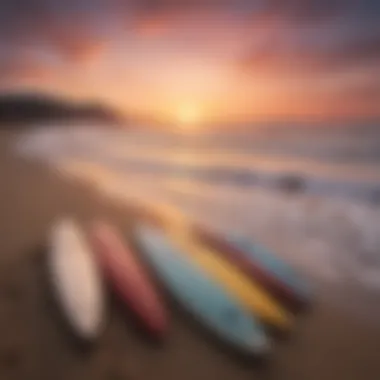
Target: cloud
x=154 y=25
x=286 y=36
x=70 y=27
x=25 y=70
x=362 y=87
x=278 y=56
x=73 y=27
x=292 y=11
x=271 y=59
x=74 y=40
x=308 y=36
x=363 y=50
x=301 y=11
x=161 y=17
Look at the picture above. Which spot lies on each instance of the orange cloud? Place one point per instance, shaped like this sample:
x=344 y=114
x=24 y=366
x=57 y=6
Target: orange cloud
x=74 y=35
x=80 y=48
x=154 y=25
x=74 y=39
x=24 y=69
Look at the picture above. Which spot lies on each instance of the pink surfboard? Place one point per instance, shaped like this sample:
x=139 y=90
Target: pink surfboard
x=128 y=278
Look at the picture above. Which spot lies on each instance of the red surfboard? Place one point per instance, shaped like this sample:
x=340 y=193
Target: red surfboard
x=128 y=277
x=274 y=286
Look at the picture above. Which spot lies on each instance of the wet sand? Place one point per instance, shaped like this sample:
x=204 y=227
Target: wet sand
x=329 y=342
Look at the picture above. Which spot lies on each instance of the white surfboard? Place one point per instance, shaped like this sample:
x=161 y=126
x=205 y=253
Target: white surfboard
x=76 y=279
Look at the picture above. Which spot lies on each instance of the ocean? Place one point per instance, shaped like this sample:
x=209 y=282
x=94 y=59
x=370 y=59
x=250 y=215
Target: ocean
x=307 y=192
x=329 y=160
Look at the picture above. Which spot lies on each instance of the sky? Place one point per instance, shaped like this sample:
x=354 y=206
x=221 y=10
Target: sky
x=199 y=62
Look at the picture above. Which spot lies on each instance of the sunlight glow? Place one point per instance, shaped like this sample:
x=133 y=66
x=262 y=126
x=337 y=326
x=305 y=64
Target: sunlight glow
x=188 y=116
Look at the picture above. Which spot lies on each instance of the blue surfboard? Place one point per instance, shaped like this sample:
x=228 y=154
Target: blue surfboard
x=202 y=297
x=273 y=264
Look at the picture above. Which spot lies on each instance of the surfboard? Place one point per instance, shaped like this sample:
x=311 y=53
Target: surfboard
x=128 y=277
x=294 y=286
x=76 y=279
x=199 y=294
x=262 y=266
x=236 y=282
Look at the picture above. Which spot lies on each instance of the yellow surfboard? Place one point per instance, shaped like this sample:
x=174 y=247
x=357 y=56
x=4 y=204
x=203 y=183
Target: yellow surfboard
x=234 y=281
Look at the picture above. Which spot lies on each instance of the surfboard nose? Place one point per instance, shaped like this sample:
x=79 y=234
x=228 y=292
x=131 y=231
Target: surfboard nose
x=158 y=324
x=90 y=323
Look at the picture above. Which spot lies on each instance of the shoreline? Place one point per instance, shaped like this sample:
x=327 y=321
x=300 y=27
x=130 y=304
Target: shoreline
x=355 y=181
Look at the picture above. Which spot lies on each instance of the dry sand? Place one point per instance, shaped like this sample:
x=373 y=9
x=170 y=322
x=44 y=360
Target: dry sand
x=330 y=342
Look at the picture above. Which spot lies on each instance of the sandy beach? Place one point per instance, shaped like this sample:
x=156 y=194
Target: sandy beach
x=337 y=339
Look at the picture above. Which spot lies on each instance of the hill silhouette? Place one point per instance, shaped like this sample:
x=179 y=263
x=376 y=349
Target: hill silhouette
x=26 y=108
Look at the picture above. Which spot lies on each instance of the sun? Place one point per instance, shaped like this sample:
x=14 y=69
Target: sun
x=188 y=115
